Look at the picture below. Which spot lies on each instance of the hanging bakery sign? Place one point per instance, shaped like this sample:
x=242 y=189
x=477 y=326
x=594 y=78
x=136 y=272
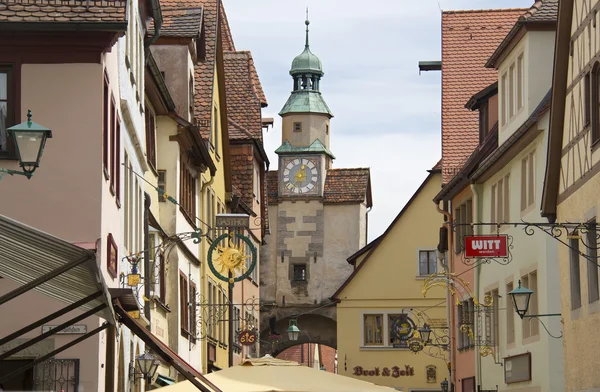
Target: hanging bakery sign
x=232 y=257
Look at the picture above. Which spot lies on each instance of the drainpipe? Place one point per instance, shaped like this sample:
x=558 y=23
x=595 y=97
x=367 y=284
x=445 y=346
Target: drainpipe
x=449 y=302
x=477 y=230
x=147 y=272
x=157 y=16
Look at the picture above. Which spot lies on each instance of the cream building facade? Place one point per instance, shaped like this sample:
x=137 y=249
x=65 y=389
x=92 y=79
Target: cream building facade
x=571 y=186
x=381 y=305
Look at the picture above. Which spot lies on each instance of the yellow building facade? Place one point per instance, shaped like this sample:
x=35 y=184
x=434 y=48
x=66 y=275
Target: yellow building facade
x=380 y=307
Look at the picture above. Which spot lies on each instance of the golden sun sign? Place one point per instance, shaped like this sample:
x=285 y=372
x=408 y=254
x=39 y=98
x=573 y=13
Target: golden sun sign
x=231 y=258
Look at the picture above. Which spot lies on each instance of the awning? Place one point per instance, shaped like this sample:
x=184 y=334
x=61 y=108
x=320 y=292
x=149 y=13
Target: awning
x=51 y=266
x=161 y=349
x=163 y=381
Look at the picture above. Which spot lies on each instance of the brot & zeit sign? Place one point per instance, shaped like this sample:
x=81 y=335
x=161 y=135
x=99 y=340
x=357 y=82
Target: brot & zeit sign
x=394 y=371
x=486 y=246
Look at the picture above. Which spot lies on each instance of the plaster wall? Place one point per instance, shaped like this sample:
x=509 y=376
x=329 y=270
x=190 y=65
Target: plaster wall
x=581 y=346
x=314 y=126
x=529 y=253
x=388 y=282
x=176 y=62
x=463 y=360
x=537 y=48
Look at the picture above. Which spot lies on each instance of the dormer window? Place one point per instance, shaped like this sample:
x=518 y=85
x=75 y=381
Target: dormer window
x=483 y=122
x=513 y=89
x=595 y=104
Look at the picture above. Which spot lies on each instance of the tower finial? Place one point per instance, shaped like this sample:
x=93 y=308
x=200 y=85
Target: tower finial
x=307 y=22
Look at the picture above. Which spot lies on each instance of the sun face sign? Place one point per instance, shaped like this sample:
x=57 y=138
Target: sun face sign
x=228 y=261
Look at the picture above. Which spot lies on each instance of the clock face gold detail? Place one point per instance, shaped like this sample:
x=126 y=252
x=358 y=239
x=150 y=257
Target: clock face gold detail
x=300 y=176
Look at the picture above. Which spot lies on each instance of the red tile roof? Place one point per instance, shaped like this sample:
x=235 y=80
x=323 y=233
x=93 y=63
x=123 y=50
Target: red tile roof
x=304 y=354
x=243 y=98
x=348 y=186
x=180 y=22
x=97 y=11
x=468 y=40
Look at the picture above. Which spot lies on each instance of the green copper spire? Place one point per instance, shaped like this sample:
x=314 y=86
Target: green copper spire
x=306 y=71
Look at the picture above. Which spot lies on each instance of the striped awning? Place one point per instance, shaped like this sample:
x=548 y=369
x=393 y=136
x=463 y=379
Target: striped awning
x=29 y=257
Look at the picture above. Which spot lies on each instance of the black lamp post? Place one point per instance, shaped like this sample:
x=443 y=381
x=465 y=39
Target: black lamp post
x=521 y=297
x=29 y=139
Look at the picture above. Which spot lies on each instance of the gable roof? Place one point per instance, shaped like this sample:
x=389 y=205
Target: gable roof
x=109 y=13
x=468 y=39
x=348 y=186
x=542 y=14
x=375 y=243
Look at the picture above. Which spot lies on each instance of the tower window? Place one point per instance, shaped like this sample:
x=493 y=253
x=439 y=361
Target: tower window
x=326 y=129
x=300 y=272
x=297 y=127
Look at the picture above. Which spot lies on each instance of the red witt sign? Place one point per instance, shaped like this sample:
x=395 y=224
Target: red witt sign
x=486 y=246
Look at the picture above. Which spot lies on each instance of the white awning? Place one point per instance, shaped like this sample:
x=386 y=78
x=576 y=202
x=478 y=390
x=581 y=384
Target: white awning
x=28 y=254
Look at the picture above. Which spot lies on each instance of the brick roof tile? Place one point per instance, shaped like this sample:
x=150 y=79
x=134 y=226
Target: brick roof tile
x=97 y=11
x=346 y=185
x=468 y=40
x=180 y=22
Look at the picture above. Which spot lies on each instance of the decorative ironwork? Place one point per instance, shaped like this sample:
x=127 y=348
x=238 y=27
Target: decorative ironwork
x=232 y=258
x=57 y=375
x=209 y=315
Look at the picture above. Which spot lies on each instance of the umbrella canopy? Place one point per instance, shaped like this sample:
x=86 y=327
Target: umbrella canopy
x=268 y=374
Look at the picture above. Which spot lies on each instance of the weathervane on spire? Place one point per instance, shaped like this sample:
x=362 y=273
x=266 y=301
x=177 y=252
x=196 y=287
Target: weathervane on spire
x=307 y=22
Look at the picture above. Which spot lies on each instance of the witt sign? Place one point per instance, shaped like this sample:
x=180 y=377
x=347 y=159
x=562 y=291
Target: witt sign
x=486 y=246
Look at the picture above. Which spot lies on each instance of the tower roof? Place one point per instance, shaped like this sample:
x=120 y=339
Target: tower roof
x=306 y=62
x=305 y=101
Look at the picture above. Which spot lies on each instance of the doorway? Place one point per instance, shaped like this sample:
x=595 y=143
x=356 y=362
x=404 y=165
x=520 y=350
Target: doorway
x=20 y=382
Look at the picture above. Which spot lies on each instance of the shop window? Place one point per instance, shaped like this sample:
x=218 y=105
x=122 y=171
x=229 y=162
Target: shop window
x=373 y=329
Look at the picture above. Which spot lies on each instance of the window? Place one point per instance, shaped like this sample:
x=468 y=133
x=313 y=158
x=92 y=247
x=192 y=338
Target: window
x=150 y=138
x=575 y=276
x=592 y=268
x=587 y=98
x=511 y=91
x=483 y=122
x=211 y=310
x=299 y=272
x=596 y=103
x=7 y=111
x=427 y=262
x=527 y=181
x=192 y=311
x=500 y=208
x=183 y=304
x=162 y=277
x=105 y=126
x=326 y=129
x=117 y=160
x=237 y=327
x=297 y=127
x=217 y=131
x=254 y=274
x=463 y=217
x=373 y=329
x=505 y=99
x=127 y=204
x=530 y=325
x=191 y=96
x=491 y=319
x=210 y=211
x=510 y=315
x=113 y=146
x=520 y=81
x=495 y=318
x=187 y=194
x=162 y=184
x=112 y=256
x=466 y=311
x=255 y=184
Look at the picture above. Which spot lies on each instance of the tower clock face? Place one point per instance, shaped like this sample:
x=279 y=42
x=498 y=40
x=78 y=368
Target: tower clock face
x=300 y=177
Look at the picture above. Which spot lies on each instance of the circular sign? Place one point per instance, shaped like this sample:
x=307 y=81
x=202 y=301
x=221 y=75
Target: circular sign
x=247 y=337
x=231 y=258
x=415 y=346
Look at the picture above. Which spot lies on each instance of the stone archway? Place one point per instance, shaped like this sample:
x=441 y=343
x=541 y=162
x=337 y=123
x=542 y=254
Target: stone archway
x=314 y=328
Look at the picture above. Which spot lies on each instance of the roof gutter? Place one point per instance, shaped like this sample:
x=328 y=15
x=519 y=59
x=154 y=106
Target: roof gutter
x=157 y=16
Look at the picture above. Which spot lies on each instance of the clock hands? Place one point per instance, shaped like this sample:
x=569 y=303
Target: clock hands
x=300 y=175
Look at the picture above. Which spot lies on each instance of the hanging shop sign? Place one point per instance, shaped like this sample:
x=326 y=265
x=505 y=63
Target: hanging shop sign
x=402 y=328
x=486 y=246
x=232 y=257
x=394 y=371
x=247 y=337
x=233 y=221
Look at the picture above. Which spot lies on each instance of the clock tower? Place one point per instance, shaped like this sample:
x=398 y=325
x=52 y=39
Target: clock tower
x=304 y=155
x=317 y=218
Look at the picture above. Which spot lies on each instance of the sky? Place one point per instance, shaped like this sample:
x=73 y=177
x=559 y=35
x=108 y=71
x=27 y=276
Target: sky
x=386 y=116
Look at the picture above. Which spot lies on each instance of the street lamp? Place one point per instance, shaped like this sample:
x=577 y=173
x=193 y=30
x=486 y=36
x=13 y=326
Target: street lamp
x=521 y=297
x=293 y=330
x=425 y=332
x=148 y=365
x=444 y=385
x=29 y=139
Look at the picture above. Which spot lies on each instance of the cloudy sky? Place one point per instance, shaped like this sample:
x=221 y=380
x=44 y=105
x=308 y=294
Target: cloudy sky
x=387 y=116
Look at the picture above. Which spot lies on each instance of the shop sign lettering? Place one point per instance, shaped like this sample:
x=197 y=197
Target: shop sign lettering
x=486 y=246
x=394 y=371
